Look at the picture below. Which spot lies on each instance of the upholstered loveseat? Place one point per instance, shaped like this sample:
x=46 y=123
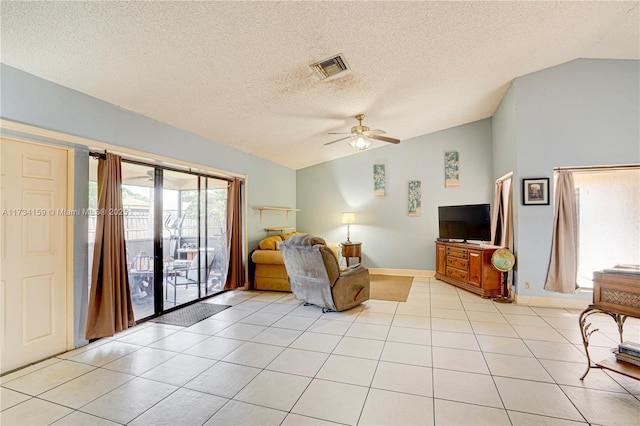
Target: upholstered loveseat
x=269 y=272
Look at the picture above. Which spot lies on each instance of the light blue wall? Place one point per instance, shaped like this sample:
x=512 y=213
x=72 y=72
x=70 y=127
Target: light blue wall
x=80 y=247
x=504 y=126
x=392 y=239
x=582 y=113
x=505 y=149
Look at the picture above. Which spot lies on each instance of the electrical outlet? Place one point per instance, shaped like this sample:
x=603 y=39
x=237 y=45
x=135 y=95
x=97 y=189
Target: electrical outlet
x=527 y=285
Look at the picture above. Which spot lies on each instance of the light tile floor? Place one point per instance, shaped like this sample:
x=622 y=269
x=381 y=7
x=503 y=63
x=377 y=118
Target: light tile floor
x=444 y=357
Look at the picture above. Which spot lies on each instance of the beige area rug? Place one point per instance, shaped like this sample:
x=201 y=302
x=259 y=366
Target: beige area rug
x=390 y=287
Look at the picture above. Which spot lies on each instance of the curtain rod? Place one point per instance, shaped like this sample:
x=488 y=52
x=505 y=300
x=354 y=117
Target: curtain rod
x=599 y=168
x=98 y=155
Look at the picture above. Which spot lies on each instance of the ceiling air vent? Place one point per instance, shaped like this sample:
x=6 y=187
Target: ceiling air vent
x=329 y=67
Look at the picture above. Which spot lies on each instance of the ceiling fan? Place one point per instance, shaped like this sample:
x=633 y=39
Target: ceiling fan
x=361 y=135
x=147 y=176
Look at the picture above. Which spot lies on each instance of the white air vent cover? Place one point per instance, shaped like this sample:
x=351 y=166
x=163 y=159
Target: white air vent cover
x=330 y=66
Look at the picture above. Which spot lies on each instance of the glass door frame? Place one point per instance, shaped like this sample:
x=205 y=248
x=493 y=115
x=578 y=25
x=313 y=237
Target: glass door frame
x=158 y=278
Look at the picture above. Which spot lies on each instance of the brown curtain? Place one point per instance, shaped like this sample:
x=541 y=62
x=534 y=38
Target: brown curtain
x=563 y=267
x=235 y=275
x=110 y=309
x=502 y=220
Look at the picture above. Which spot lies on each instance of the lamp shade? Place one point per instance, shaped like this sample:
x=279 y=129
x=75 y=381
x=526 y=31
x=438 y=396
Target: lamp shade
x=348 y=217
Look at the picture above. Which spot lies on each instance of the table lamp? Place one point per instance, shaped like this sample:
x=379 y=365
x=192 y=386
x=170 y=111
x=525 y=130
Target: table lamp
x=348 y=218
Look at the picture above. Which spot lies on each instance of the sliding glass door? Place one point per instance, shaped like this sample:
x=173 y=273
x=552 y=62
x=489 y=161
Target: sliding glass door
x=180 y=238
x=213 y=195
x=175 y=234
x=138 y=201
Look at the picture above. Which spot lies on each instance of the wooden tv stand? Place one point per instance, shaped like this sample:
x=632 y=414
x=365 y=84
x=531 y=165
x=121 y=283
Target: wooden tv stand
x=468 y=266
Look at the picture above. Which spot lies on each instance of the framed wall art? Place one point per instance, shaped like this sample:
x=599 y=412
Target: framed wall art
x=379 y=180
x=451 y=169
x=535 y=191
x=415 y=198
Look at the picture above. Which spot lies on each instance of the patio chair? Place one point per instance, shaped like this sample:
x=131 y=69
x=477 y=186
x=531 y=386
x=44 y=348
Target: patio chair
x=141 y=274
x=189 y=275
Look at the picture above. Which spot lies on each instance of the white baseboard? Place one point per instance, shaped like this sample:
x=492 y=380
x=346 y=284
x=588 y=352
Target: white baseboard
x=402 y=272
x=552 y=302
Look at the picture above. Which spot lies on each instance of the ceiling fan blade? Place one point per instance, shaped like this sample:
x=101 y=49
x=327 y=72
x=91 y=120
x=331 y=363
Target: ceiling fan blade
x=337 y=140
x=376 y=132
x=339 y=133
x=385 y=138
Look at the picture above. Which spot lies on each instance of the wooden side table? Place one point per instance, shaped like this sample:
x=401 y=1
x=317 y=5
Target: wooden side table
x=609 y=363
x=616 y=295
x=350 y=250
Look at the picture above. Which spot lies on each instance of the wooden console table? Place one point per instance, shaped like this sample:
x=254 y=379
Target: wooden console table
x=468 y=266
x=616 y=295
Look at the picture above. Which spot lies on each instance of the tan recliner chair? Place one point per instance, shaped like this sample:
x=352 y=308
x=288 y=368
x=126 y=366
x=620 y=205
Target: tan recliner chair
x=315 y=277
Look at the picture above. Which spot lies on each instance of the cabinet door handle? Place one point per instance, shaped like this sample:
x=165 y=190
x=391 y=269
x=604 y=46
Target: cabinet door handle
x=474 y=254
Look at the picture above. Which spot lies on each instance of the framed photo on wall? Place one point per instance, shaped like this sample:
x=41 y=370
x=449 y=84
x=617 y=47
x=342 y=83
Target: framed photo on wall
x=535 y=191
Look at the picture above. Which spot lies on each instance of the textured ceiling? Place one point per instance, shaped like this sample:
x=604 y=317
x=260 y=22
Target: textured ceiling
x=238 y=72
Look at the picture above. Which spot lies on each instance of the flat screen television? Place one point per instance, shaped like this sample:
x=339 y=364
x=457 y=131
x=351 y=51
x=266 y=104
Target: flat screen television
x=468 y=222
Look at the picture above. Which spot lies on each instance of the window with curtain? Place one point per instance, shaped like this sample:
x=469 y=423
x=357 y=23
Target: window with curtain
x=608 y=202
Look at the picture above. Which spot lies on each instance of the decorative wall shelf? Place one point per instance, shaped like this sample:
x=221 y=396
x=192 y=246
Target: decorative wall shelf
x=279 y=209
x=276 y=209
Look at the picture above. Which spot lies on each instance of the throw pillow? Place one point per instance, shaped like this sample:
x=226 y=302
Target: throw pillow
x=270 y=243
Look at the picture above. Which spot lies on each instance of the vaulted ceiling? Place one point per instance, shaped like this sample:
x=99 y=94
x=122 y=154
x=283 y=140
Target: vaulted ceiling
x=238 y=73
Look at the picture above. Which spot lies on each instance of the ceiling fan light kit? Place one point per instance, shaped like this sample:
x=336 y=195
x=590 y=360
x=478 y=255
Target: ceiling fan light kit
x=361 y=136
x=360 y=143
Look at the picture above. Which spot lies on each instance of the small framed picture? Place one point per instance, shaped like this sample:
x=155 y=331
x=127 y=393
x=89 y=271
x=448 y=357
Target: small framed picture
x=535 y=191
x=451 y=169
x=380 y=180
x=415 y=198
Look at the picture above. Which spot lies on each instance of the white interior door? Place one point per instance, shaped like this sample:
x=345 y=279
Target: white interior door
x=33 y=253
